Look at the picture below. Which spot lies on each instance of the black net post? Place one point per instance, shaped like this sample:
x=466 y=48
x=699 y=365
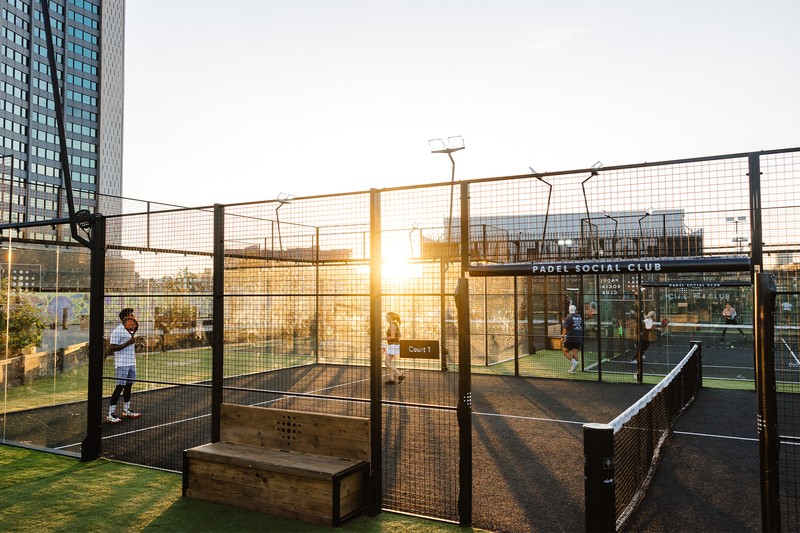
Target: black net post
x=599 y=483
x=768 y=438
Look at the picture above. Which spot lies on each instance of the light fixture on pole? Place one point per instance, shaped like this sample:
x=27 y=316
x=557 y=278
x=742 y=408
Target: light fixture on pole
x=414 y=227
x=641 y=231
x=614 y=237
x=448 y=146
x=597 y=166
x=736 y=237
x=283 y=198
x=547 y=212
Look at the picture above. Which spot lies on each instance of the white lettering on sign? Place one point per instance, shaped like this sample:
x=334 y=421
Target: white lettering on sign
x=596 y=268
x=644 y=267
x=417 y=349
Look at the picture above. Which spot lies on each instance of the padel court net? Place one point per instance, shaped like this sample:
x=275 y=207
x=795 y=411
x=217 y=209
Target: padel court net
x=642 y=431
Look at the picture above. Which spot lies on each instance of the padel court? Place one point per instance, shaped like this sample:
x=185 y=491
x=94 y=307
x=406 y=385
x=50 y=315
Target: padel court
x=283 y=303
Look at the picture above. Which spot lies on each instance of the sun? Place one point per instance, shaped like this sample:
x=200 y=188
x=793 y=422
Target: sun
x=398 y=263
x=398 y=269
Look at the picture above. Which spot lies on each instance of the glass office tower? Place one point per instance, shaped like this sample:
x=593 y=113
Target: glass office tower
x=89 y=48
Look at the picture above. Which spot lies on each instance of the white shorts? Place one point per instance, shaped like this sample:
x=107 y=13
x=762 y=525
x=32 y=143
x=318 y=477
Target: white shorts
x=393 y=349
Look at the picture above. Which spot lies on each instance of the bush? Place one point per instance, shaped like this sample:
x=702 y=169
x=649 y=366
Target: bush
x=25 y=326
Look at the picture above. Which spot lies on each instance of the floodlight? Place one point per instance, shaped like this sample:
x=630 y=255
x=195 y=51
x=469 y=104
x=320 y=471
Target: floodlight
x=442 y=146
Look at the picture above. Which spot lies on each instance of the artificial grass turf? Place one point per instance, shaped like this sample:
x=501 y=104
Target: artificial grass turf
x=52 y=493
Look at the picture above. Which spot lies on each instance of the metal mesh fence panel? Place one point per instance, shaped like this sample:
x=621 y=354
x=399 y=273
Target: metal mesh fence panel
x=781 y=231
x=159 y=264
x=419 y=270
x=297 y=299
x=597 y=239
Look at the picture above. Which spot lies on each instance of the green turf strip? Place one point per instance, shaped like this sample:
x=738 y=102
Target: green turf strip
x=51 y=493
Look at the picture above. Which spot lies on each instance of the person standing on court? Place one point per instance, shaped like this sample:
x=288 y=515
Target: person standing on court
x=648 y=333
x=730 y=316
x=786 y=307
x=122 y=344
x=393 y=348
x=572 y=337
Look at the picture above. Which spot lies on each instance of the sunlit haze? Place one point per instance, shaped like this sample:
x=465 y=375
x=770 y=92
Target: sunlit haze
x=246 y=99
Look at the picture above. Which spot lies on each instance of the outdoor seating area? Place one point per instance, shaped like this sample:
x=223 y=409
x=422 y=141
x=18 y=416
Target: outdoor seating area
x=299 y=465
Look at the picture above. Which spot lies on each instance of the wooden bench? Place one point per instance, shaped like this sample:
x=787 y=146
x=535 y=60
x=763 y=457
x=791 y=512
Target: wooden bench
x=295 y=464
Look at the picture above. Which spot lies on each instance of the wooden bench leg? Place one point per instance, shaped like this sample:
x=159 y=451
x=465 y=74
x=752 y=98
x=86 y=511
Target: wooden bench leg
x=363 y=471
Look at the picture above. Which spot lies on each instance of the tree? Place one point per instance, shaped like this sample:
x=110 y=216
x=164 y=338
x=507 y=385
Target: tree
x=25 y=324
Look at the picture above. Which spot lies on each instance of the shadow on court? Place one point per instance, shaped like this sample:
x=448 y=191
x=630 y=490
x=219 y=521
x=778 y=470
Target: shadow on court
x=527 y=445
x=528 y=458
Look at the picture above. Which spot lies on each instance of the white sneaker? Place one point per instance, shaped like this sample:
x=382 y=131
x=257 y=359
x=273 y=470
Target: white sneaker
x=130 y=414
x=113 y=419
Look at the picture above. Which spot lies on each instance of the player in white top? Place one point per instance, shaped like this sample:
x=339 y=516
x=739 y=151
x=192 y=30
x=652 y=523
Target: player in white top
x=123 y=345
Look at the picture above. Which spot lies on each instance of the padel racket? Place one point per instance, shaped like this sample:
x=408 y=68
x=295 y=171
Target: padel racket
x=130 y=324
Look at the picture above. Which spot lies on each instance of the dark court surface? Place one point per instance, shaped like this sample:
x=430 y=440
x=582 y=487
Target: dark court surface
x=528 y=458
x=527 y=449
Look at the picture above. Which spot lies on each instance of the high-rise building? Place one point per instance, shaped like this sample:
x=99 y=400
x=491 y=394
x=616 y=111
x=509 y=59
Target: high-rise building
x=88 y=36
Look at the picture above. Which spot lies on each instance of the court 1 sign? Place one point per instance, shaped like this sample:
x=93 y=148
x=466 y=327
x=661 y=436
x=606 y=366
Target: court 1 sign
x=419 y=349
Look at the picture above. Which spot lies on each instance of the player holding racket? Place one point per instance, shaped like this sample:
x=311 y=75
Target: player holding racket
x=123 y=343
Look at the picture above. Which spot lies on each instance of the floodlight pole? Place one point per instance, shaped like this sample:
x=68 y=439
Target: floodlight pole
x=641 y=231
x=597 y=166
x=614 y=237
x=445 y=149
x=449 y=151
x=546 y=213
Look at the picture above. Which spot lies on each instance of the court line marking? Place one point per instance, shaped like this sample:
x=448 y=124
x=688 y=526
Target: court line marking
x=148 y=428
x=539 y=419
x=715 y=436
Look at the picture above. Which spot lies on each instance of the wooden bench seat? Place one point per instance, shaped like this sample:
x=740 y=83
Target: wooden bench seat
x=304 y=466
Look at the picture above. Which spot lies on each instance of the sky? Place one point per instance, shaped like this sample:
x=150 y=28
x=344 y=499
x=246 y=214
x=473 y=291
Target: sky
x=244 y=100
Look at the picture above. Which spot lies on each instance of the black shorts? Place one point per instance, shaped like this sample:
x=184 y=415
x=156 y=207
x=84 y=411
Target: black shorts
x=572 y=345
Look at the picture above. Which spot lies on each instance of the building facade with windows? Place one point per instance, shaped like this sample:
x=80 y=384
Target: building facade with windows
x=88 y=36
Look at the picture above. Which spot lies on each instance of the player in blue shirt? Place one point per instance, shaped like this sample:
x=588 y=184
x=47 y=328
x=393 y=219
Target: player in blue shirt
x=572 y=337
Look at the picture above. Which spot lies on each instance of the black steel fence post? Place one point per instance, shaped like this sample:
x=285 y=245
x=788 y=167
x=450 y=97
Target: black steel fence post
x=91 y=446
x=768 y=438
x=464 y=408
x=375 y=368
x=218 y=327
x=756 y=240
x=599 y=483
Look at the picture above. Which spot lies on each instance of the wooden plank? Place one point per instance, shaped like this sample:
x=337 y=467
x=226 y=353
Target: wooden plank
x=301 y=464
x=309 y=500
x=322 y=434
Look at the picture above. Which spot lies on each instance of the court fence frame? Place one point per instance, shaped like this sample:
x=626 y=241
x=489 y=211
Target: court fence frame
x=253 y=256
